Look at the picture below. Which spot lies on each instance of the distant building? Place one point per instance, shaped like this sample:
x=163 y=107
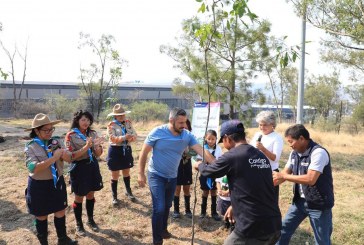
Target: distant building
x=127 y=93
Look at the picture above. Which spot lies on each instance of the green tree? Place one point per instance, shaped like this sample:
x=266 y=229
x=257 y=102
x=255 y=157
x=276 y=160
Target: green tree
x=62 y=106
x=323 y=93
x=149 y=110
x=356 y=93
x=343 y=22
x=282 y=77
x=225 y=52
x=102 y=75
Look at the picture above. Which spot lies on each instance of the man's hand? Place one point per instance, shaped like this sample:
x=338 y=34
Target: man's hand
x=229 y=215
x=278 y=178
x=142 y=180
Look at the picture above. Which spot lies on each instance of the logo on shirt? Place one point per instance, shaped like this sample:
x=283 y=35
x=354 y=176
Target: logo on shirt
x=258 y=163
x=304 y=164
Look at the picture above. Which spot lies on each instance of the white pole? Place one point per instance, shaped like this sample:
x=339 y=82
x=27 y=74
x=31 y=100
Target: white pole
x=301 y=80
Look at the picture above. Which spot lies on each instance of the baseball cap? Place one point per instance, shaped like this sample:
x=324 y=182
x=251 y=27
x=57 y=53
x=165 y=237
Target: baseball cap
x=231 y=127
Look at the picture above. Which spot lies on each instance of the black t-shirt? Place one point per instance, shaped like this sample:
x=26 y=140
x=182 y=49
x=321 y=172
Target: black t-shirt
x=249 y=174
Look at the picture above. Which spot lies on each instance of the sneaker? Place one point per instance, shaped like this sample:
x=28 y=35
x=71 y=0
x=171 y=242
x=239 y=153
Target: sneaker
x=93 y=225
x=202 y=216
x=166 y=234
x=188 y=214
x=130 y=196
x=176 y=215
x=80 y=231
x=115 y=202
x=216 y=217
x=66 y=241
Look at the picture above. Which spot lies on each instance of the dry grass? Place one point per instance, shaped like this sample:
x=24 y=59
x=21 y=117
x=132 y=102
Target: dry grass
x=131 y=223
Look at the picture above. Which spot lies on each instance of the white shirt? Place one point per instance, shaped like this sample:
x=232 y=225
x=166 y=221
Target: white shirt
x=226 y=185
x=319 y=159
x=273 y=142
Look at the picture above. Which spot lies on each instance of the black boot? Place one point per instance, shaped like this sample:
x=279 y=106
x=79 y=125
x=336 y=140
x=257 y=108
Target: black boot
x=128 y=192
x=214 y=213
x=77 y=209
x=176 y=213
x=42 y=231
x=63 y=239
x=114 y=189
x=187 y=207
x=90 y=204
x=203 y=207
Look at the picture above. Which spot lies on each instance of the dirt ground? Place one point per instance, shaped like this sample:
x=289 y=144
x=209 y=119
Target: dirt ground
x=130 y=223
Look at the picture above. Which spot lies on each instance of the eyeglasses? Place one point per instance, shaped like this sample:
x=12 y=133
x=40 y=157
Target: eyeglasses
x=47 y=131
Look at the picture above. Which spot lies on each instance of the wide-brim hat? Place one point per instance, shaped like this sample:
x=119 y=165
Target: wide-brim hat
x=118 y=110
x=41 y=119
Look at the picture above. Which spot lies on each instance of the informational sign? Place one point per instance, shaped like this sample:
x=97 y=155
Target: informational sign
x=199 y=118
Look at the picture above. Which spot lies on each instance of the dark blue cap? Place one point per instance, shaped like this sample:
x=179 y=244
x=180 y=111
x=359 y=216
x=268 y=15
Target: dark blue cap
x=231 y=127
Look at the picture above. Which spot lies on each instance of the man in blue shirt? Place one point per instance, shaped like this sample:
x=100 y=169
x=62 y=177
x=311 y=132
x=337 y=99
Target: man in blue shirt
x=168 y=143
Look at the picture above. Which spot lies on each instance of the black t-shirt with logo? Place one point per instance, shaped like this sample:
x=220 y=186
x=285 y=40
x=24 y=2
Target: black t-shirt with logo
x=249 y=174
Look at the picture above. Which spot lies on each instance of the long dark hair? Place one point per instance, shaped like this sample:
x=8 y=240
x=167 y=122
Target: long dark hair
x=77 y=116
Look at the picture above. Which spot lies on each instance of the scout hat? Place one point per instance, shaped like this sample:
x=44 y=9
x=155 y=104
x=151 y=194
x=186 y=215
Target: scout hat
x=118 y=110
x=41 y=119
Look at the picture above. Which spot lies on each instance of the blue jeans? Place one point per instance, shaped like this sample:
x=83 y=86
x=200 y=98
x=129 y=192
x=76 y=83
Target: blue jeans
x=162 y=190
x=321 y=222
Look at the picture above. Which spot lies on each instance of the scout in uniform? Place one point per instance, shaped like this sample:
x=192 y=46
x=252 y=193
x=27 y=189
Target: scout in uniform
x=85 y=175
x=121 y=134
x=46 y=192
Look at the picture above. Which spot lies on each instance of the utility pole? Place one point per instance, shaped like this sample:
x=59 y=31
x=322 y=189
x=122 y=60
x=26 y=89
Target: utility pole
x=301 y=81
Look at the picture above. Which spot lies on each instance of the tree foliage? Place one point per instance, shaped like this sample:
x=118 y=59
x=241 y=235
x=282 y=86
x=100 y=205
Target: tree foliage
x=149 y=110
x=62 y=106
x=323 y=93
x=357 y=95
x=282 y=77
x=222 y=52
x=343 y=22
x=103 y=74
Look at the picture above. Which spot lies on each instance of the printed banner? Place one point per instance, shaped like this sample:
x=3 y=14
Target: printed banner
x=199 y=118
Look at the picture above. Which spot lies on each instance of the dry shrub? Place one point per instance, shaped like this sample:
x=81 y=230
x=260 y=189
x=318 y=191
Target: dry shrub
x=29 y=108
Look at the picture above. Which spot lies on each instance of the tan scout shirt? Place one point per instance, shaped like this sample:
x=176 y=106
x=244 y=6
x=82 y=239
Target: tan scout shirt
x=114 y=130
x=34 y=153
x=74 y=142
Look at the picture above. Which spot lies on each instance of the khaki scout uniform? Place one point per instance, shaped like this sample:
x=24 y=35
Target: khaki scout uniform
x=42 y=196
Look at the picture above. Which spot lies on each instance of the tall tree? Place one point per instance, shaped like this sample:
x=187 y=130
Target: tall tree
x=356 y=94
x=343 y=21
x=323 y=93
x=225 y=54
x=102 y=75
x=282 y=77
x=11 y=56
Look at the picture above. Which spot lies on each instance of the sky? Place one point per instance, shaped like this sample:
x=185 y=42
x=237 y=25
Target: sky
x=139 y=26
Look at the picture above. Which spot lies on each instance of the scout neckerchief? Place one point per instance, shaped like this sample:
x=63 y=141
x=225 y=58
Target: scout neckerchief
x=82 y=136
x=49 y=155
x=123 y=133
x=209 y=181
